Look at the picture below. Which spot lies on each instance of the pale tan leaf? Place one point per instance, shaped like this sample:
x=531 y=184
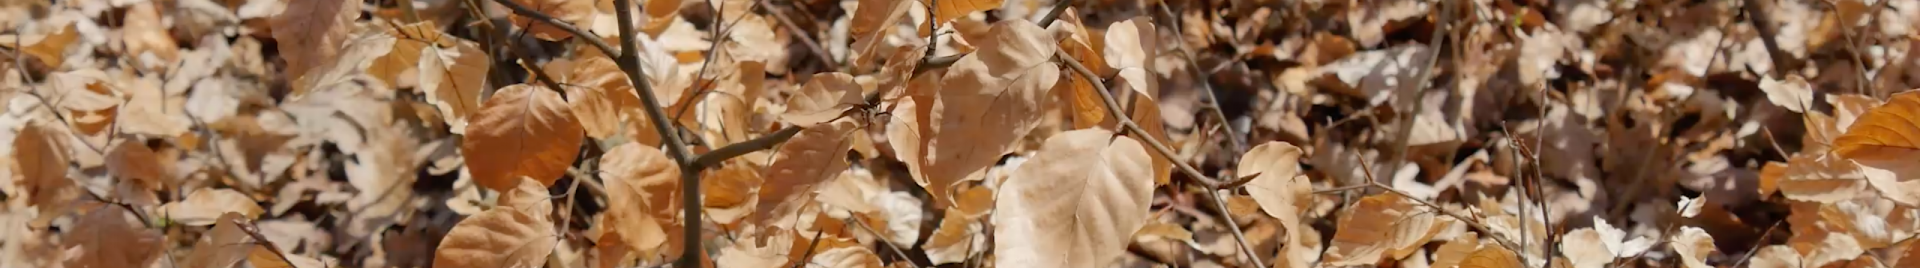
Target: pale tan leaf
x=522 y=130
x=824 y=98
x=384 y=173
x=1131 y=47
x=958 y=238
x=1578 y=247
x=1275 y=187
x=814 y=155
x=225 y=245
x=990 y=99
x=202 y=207
x=1694 y=246
x=642 y=190
x=1792 y=93
x=314 y=33
x=1776 y=256
x=947 y=10
x=1883 y=141
x=1378 y=227
x=529 y=196
x=501 y=237
x=1818 y=178
x=108 y=237
x=1076 y=203
x=451 y=71
x=575 y=12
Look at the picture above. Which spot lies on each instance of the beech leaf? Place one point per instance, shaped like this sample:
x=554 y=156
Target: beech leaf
x=1077 y=203
x=522 y=130
x=501 y=237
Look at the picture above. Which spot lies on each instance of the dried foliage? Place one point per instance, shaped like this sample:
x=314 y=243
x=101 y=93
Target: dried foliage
x=959 y=133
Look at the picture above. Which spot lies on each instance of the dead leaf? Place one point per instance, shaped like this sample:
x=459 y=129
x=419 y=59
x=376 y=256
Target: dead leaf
x=948 y=10
x=450 y=71
x=569 y=11
x=1084 y=194
x=501 y=237
x=225 y=245
x=826 y=97
x=1694 y=246
x=1381 y=226
x=1882 y=141
x=814 y=155
x=314 y=34
x=1792 y=93
x=523 y=130
x=107 y=237
x=202 y=207
x=643 y=185
x=991 y=98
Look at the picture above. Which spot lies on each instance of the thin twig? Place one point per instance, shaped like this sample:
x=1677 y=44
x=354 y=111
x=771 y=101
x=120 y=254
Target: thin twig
x=712 y=158
x=591 y=38
x=1758 y=17
x=883 y=240
x=806 y=38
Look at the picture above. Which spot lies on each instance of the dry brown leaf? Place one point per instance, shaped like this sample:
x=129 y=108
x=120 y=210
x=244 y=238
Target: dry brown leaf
x=107 y=237
x=870 y=25
x=1491 y=257
x=314 y=34
x=1458 y=249
x=1076 y=203
x=826 y=97
x=958 y=238
x=225 y=245
x=261 y=257
x=133 y=162
x=52 y=47
x=40 y=155
x=948 y=10
x=602 y=98
x=814 y=155
x=576 y=12
x=1381 y=226
x=450 y=71
x=203 y=207
x=642 y=189
x=501 y=237
x=1776 y=256
x=1694 y=246
x=731 y=191
x=523 y=130
x=530 y=197
x=990 y=99
x=1819 y=178
x=1883 y=141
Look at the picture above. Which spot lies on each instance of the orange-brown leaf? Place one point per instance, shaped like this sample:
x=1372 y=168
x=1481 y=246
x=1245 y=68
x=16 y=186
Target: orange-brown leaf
x=502 y=237
x=522 y=130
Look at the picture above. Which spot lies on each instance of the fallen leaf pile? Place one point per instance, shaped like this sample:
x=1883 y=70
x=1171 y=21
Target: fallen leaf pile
x=959 y=133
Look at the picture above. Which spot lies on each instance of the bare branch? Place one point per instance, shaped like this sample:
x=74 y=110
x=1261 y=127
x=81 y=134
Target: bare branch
x=592 y=39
